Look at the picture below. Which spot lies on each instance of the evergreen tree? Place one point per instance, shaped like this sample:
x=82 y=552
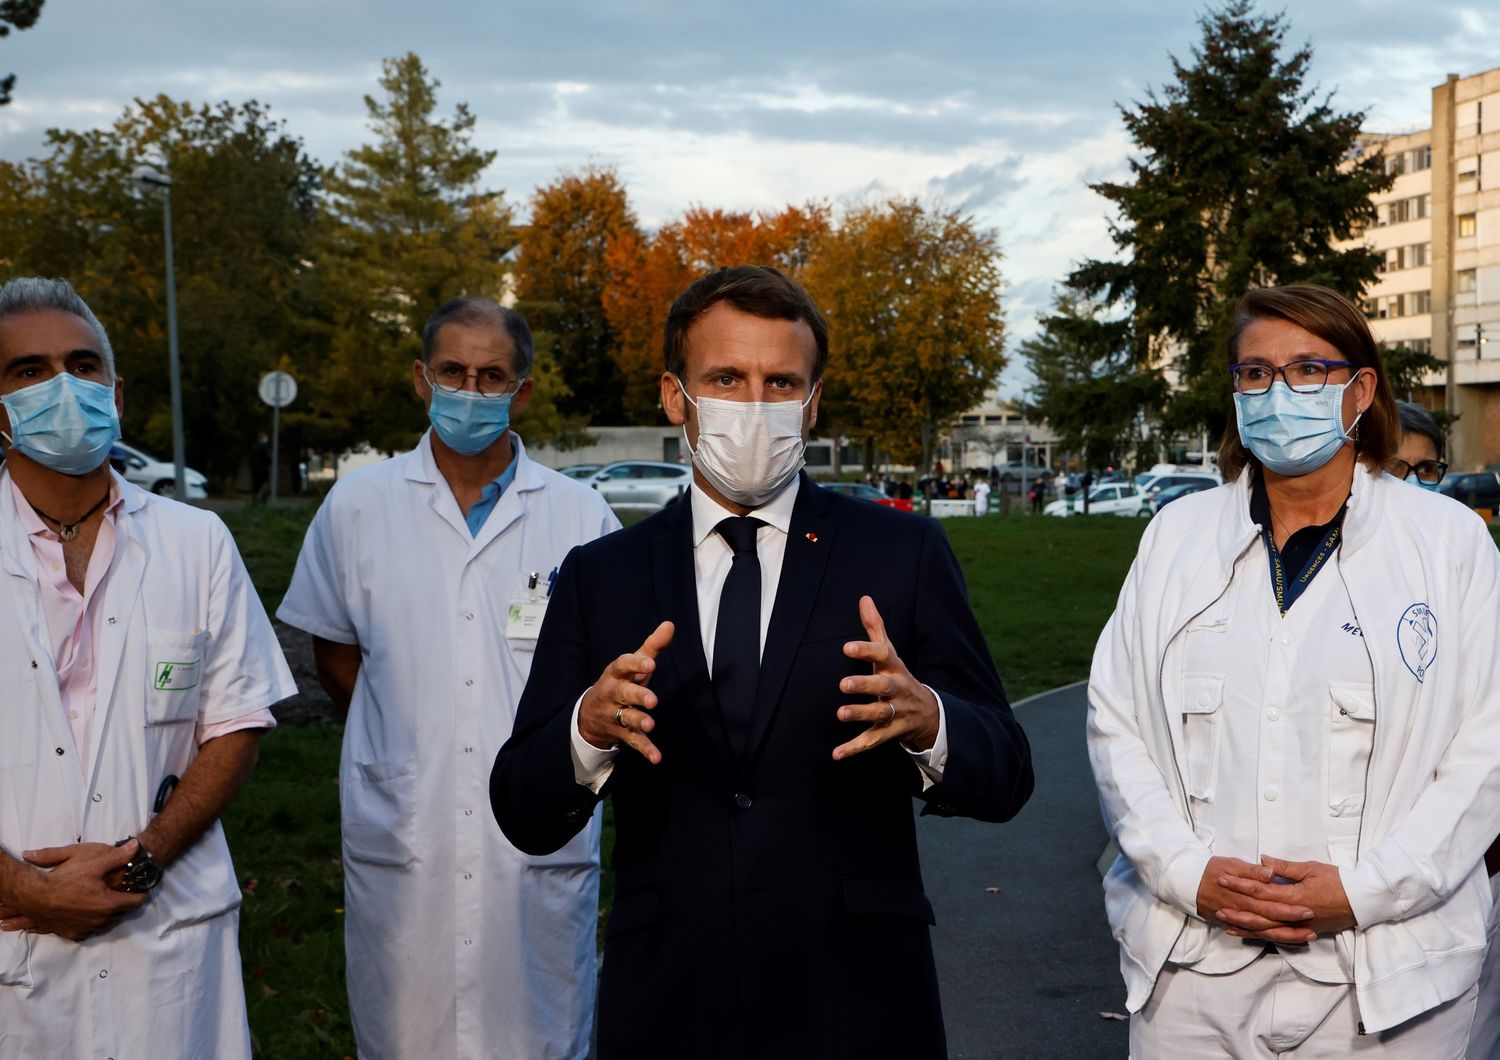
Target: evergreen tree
x=1088 y=388
x=409 y=227
x=1245 y=177
x=16 y=14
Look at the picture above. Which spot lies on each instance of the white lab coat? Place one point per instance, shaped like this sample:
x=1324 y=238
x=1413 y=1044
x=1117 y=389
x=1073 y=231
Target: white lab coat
x=458 y=944
x=165 y=982
x=1422 y=576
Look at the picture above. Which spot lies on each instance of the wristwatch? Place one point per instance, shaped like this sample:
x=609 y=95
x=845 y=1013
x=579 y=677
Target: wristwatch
x=142 y=873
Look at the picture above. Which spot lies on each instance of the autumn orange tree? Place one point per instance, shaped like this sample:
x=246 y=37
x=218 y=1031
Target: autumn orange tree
x=560 y=280
x=647 y=272
x=912 y=295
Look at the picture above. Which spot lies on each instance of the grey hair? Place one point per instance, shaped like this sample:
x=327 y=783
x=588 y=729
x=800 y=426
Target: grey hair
x=29 y=294
x=471 y=312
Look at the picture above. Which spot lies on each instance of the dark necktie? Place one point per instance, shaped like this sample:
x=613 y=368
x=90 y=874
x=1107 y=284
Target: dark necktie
x=737 y=636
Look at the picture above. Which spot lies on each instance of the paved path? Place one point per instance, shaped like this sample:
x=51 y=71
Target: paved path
x=1026 y=972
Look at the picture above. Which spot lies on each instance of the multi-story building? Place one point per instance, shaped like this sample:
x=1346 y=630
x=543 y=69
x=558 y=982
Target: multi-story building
x=1438 y=229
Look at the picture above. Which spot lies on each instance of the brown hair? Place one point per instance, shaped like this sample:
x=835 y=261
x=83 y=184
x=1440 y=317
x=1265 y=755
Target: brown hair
x=758 y=290
x=1334 y=319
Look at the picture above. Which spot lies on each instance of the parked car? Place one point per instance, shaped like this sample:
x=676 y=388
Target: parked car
x=1172 y=493
x=641 y=485
x=1116 y=498
x=1017 y=471
x=583 y=472
x=1073 y=483
x=1477 y=489
x=1171 y=480
x=864 y=493
x=158 y=476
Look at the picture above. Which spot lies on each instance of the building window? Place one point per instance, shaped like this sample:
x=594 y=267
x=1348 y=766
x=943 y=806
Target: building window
x=1467 y=281
x=1467 y=225
x=1416 y=255
x=1420 y=302
x=1395 y=165
x=1421 y=158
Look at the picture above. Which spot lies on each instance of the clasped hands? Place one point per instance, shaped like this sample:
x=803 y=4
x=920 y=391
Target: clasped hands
x=1288 y=902
x=617 y=708
x=76 y=897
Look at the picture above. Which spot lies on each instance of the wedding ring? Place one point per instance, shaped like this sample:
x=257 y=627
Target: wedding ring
x=618 y=719
x=893 y=712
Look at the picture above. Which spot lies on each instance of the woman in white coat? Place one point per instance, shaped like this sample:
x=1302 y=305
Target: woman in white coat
x=1294 y=723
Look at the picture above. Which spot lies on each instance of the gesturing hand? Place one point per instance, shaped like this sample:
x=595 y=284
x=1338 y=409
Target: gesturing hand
x=1311 y=885
x=614 y=709
x=904 y=708
x=77 y=898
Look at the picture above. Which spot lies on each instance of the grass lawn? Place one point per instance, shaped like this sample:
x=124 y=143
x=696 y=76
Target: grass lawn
x=1041 y=588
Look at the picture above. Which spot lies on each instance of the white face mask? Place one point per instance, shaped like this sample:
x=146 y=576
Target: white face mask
x=747 y=449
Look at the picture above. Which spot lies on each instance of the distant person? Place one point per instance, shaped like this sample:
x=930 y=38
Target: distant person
x=423 y=581
x=1086 y=486
x=1037 y=495
x=139 y=671
x=260 y=468
x=1294 y=722
x=981 y=497
x=695 y=669
x=905 y=488
x=1419 y=460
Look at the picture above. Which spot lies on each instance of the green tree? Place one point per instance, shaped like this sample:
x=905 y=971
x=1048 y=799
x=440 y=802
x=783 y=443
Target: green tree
x=1088 y=388
x=408 y=227
x=16 y=14
x=561 y=276
x=244 y=208
x=1244 y=177
x=912 y=295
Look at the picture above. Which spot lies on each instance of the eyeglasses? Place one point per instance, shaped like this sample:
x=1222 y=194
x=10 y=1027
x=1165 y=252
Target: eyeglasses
x=452 y=377
x=1428 y=471
x=1302 y=377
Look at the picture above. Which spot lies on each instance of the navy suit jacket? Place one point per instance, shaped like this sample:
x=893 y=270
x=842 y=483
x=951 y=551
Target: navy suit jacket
x=770 y=904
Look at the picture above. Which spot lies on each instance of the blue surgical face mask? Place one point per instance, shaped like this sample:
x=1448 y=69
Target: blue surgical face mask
x=468 y=422
x=66 y=423
x=1425 y=485
x=1292 y=433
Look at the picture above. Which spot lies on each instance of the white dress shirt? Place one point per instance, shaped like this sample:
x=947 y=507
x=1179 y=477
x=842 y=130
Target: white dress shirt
x=712 y=558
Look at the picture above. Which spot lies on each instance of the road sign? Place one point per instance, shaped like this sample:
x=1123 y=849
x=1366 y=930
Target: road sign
x=278 y=389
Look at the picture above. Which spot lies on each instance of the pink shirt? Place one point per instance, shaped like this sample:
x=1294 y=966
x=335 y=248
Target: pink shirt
x=72 y=620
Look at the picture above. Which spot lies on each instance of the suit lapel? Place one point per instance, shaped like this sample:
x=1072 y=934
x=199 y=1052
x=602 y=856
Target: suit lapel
x=808 y=545
x=676 y=583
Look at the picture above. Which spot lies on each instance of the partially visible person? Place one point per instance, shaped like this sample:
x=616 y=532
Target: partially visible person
x=139 y=669
x=1294 y=721
x=763 y=745
x=905 y=489
x=981 y=497
x=423 y=582
x=1419 y=459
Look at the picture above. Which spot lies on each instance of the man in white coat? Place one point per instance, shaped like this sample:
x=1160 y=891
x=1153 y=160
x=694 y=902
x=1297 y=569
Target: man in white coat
x=139 y=668
x=423 y=581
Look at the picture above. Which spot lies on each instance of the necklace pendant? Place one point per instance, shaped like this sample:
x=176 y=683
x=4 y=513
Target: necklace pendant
x=67 y=532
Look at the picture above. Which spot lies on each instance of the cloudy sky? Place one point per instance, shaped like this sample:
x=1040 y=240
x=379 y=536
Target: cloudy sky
x=1006 y=109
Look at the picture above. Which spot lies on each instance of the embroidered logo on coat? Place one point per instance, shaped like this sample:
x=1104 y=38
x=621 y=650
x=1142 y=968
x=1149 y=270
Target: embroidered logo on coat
x=1416 y=636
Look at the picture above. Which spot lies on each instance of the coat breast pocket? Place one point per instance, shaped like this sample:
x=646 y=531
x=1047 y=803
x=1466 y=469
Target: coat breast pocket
x=1351 y=736
x=174 y=674
x=1203 y=695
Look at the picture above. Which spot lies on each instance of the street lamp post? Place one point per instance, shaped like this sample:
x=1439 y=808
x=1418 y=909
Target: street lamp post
x=150 y=178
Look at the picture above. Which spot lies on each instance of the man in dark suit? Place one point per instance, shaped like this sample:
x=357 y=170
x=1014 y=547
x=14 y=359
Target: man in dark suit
x=758 y=712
